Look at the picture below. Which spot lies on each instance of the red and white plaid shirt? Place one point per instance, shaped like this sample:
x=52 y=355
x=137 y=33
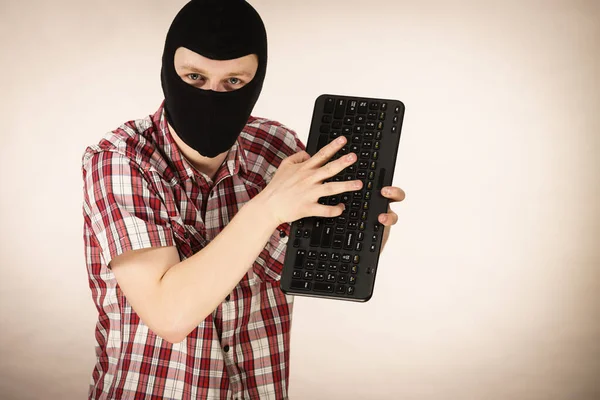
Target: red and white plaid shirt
x=140 y=192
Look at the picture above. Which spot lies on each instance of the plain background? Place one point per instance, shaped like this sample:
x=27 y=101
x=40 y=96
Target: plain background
x=489 y=286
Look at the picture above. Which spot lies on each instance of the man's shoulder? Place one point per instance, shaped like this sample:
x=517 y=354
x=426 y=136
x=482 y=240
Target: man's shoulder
x=134 y=140
x=270 y=135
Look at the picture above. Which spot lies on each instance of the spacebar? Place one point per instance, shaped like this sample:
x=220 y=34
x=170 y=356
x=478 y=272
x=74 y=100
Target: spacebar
x=323 y=287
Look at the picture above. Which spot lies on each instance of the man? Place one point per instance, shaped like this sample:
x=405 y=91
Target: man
x=186 y=217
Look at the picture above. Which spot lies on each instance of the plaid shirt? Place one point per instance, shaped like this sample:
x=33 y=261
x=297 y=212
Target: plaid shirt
x=140 y=192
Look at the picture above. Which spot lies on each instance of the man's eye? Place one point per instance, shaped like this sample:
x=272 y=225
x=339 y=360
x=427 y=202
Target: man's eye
x=194 y=77
x=234 y=81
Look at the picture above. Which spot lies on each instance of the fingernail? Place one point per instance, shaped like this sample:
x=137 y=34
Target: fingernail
x=350 y=157
x=341 y=139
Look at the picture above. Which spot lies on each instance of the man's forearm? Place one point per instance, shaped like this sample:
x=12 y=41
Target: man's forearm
x=193 y=288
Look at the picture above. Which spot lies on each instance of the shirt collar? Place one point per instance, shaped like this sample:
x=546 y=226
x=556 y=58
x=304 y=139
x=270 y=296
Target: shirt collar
x=234 y=163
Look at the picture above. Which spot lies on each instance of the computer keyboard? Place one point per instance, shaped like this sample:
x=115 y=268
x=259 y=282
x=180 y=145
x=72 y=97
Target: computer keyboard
x=338 y=257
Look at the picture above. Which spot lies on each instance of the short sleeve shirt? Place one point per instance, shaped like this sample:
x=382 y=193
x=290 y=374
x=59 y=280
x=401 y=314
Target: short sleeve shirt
x=140 y=192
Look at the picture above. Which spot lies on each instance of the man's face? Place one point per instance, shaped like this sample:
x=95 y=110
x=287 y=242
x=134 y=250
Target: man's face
x=217 y=75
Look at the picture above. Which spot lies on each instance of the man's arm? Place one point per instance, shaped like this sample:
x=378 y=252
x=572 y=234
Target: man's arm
x=173 y=297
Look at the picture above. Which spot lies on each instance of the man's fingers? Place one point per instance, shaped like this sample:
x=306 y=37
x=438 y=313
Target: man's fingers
x=327 y=152
x=298 y=157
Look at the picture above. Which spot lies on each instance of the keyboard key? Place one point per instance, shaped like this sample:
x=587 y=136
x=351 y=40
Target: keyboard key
x=322 y=266
x=336 y=125
x=359 y=246
x=352 y=225
x=376 y=226
x=342 y=278
x=351 y=108
x=306 y=233
x=374 y=237
x=371 y=175
x=341 y=289
x=322 y=142
x=356 y=259
x=326 y=119
x=361 y=226
x=363 y=164
x=324 y=128
x=339 y=229
x=395 y=120
x=335 y=257
x=374 y=105
x=365 y=205
x=308 y=275
x=358 y=129
x=382 y=116
x=365 y=154
x=334 y=134
x=319 y=276
x=333 y=267
x=380 y=125
x=397 y=110
x=352 y=280
x=354 y=269
x=310 y=265
x=367 y=195
x=378 y=135
x=372 y=248
x=315 y=239
x=327 y=236
x=368 y=135
x=355 y=205
x=346 y=258
x=370 y=125
x=349 y=242
x=372 y=115
x=297 y=274
x=369 y=185
x=377 y=145
x=323 y=287
x=357 y=195
x=344 y=268
x=373 y=165
x=329 y=105
x=296 y=242
x=341 y=220
x=312 y=255
x=348 y=121
x=383 y=106
x=364 y=215
x=338 y=241
x=361 y=174
x=356 y=139
x=360 y=119
x=367 y=145
x=350 y=290
x=329 y=221
x=354 y=148
x=375 y=155
x=323 y=255
x=333 y=201
x=394 y=129
x=330 y=277
x=340 y=105
x=299 y=285
x=345 y=198
x=347 y=130
x=362 y=107
x=299 y=258
x=353 y=214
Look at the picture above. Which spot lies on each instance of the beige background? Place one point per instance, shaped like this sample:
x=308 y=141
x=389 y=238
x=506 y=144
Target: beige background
x=490 y=285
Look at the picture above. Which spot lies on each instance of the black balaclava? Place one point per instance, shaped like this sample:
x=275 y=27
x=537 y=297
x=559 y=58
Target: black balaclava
x=208 y=121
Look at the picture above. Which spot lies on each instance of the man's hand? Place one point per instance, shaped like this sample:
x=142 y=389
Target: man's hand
x=395 y=194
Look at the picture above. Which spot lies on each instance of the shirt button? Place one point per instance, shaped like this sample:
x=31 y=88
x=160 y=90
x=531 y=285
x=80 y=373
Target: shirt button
x=226 y=348
x=228 y=297
x=281 y=234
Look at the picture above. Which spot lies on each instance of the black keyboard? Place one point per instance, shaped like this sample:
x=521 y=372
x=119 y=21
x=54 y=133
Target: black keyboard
x=338 y=257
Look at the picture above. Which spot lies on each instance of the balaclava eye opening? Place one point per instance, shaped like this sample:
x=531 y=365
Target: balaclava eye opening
x=208 y=121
